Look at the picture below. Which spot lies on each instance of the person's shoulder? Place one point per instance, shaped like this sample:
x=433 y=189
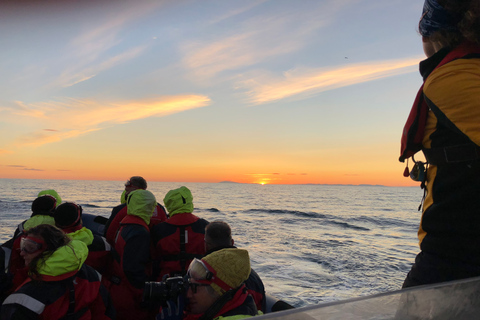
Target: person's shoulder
x=460 y=74
x=88 y=272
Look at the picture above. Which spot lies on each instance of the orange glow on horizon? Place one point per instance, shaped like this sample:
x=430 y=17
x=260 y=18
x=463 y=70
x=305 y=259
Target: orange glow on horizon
x=114 y=173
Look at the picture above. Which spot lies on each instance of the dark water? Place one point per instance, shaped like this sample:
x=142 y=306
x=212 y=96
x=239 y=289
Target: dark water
x=309 y=243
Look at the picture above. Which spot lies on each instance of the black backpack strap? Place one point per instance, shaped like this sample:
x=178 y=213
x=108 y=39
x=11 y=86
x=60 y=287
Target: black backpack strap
x=71 y=314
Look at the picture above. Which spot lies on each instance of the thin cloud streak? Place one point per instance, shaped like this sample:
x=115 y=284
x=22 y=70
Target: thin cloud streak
x=72 y=77
x=88 y=52
x=264 y=88
x=74 y=117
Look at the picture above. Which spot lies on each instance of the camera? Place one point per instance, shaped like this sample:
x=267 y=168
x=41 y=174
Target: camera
x=165 y=290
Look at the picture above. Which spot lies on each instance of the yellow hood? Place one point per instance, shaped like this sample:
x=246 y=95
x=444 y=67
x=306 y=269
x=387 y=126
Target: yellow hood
x=141 y=203
x=84 y=235
x=65 y=259
x=178 y=201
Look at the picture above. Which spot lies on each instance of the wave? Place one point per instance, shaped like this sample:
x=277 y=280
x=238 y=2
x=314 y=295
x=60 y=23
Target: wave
x=327 y=219
x=92 y=206
x=294 y=212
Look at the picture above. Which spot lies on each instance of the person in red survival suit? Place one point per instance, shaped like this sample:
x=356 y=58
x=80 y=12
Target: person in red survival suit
x=131 y=257
x=43 y=208
x=120 y=211
x=218 y=235
x=180 y=239
x=60 y=285
x=68 y=217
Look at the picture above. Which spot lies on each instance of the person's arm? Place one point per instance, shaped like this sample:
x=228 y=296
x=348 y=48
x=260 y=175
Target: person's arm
x=12 y=308
x=136 y=255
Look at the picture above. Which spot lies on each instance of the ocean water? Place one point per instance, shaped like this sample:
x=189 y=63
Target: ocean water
x=309 y=243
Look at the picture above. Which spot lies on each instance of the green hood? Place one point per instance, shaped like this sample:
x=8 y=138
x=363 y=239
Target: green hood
x=38 y=220
x=52 y=193
x=84 y=235
x=178 y=201
x=141 y=203
x=122 y=197
x=65 y=259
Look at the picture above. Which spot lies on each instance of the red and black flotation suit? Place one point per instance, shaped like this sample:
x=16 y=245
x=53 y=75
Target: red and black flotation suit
x=131 y=258
x=73 y=295
x=177 y=242
x=120 y=212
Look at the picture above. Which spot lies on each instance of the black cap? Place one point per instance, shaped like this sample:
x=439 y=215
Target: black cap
x=68 y=215
x=44 y=205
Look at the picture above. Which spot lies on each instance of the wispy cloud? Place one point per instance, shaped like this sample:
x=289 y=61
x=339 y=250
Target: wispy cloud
x=264 y=88
x=20 y=167
x=74 y=117
x=79 y=73
x=232 y=13
x=257 y=39
x=3 y=151
x=95 y=46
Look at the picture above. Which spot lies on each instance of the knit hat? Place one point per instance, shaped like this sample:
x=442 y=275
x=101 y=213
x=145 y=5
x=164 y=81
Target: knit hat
x=141 y=203
x=68 y=215
x=232 y=266
x=178 y=201
x=52 y=193
x=44 y=205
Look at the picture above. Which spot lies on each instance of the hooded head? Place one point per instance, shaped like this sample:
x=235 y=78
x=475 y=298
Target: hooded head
x=141 y=203
x=178 y=201
x=68 y=215
x=227 y=269
x=44 y=205
x=52 y=193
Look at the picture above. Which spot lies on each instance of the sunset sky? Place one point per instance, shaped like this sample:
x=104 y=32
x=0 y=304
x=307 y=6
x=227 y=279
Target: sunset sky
x=277 y=92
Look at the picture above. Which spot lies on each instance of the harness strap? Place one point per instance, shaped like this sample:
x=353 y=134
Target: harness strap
x=453 y=154
x=71 y=314
x=71 y=305
x=183 y=249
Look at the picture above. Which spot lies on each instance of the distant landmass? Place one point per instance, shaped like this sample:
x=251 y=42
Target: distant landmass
x=317 y=184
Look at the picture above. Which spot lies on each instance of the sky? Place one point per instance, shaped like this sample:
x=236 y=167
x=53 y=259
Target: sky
x=251 y=91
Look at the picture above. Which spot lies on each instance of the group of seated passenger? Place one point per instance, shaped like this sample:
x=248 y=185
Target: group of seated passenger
x=56 y=268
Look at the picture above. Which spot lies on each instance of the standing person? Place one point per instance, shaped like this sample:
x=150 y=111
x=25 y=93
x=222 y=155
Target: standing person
x=444 y=124
x=180 y=239
x=218 y=235
x=60 y=285
x=120 y=211
x=68 y=217
x=131 y=257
